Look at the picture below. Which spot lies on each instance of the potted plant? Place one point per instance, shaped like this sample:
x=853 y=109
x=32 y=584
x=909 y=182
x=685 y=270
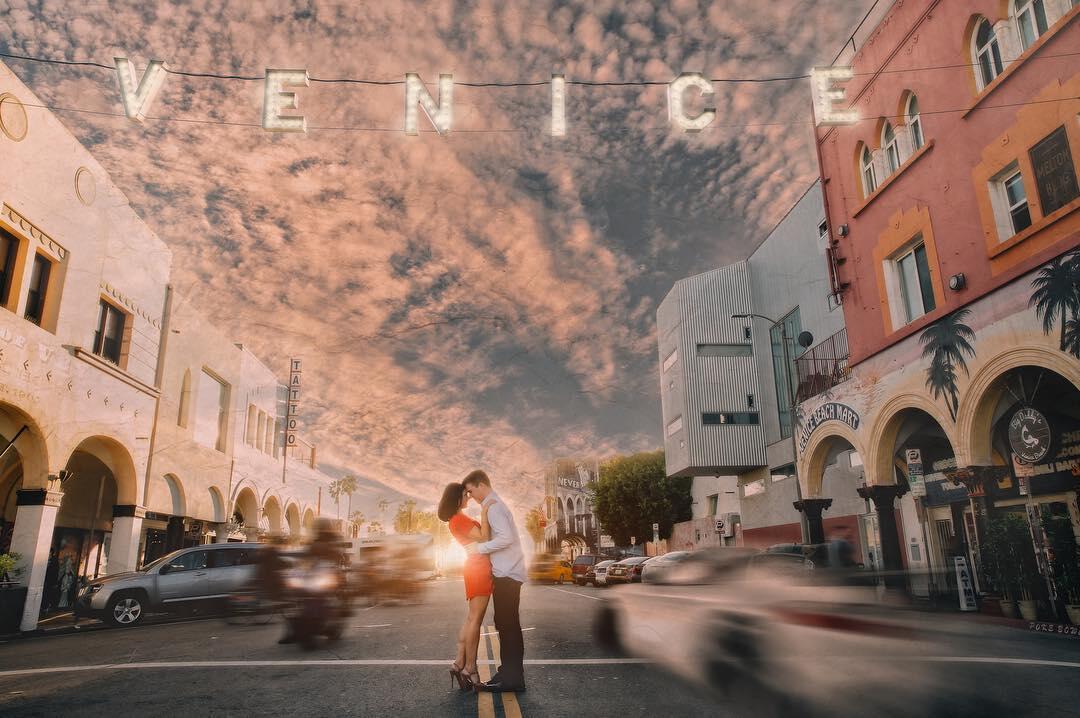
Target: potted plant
x=12 y=594
x=1065 y=563
x=1022 y=559
x=1000 y=563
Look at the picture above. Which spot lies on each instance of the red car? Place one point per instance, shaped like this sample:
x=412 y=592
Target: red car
x=581 y=566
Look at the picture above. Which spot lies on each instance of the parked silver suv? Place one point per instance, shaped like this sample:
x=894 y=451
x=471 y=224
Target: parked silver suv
x=173 y=582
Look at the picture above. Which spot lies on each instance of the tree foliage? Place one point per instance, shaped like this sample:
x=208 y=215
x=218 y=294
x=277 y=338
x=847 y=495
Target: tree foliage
x=532 y=524
x=633 y=492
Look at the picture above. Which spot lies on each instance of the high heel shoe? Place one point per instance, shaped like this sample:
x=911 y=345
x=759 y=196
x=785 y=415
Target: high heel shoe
x=456 y=676
x=474 y=681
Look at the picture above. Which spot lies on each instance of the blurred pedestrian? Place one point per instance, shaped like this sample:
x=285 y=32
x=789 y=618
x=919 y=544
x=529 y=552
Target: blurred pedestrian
x=478 y=582
x=508 y=568
x=52 y=583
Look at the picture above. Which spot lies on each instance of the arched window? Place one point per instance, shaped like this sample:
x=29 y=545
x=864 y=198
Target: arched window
x=869 y=178
x=890 y=148
x=1030 y=19
x=987 y=53
x=914 y=123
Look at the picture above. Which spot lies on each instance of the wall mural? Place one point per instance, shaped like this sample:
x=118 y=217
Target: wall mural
x=945 y=343
x=1056 y=296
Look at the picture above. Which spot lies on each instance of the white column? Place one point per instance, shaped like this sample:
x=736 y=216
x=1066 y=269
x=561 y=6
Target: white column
x=31 y=539
x=221 y=533
x=251 y=533
x=124 y=548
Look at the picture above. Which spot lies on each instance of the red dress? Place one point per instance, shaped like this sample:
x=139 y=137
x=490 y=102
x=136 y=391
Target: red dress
x=478 y=581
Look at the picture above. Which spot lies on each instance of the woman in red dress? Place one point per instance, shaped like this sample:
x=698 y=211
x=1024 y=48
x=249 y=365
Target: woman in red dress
x=478 y=582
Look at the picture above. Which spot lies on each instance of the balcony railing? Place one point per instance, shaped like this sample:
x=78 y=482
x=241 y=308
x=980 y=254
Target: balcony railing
x=823 y=366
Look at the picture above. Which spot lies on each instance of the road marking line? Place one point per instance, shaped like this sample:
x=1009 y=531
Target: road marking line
x=485 y=702
x=375 y=625
x=991 y=659
x=575 y=593
x=495 y=633
x=318 y=663
x=511 y=709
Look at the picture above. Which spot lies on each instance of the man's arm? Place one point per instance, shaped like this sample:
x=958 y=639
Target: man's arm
x=501 y=531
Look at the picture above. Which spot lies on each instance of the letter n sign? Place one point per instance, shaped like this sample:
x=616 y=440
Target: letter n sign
x=292 y=414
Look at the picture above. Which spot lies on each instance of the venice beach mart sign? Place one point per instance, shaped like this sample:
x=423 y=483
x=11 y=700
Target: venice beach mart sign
x=138 y=94
x=827 y=412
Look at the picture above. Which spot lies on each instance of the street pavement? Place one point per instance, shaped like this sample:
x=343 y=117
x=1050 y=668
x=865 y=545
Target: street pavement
x=393 y=659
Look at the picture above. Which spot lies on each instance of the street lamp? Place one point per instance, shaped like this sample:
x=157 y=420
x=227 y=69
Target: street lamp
x=805 y=339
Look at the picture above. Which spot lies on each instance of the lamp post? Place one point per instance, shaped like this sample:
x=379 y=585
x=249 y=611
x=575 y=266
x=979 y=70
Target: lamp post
x=791 y=411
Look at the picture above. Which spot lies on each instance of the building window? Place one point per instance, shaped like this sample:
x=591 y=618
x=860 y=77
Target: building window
x=715 y=418
x=916 y=289
x=749 y=401
x=674 y=426
x=260 y=432
x=109 y=336
x=869 y=177
x=211 y=411
x=249 y=432
x=724 y=350
x=1016 y=202
x=748 y=333
x=671 y=359
x=39 y=285
x=790 y=326
x=268 y=439
x=9 y=250
x=987 y=53
x=713 y=501
x=890 y=147
x=914 y=123
x=1030 y=21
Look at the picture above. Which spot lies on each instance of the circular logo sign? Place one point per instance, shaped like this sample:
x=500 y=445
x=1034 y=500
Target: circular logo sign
x=1029 y=435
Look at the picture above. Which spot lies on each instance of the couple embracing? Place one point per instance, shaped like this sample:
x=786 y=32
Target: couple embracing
x=495 y=567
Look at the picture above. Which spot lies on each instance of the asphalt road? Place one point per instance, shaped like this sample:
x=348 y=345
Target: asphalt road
x=392 y=661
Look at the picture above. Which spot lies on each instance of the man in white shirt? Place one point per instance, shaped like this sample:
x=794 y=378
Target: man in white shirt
x=508 y=570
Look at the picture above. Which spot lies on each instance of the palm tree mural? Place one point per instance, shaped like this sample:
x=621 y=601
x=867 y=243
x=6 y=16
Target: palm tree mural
x=945 y=343
x=1056 y=296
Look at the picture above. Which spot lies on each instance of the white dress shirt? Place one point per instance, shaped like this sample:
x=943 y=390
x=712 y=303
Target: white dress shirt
x=504 y=548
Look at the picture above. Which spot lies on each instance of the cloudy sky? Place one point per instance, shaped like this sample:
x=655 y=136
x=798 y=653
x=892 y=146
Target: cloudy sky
x=486 y=298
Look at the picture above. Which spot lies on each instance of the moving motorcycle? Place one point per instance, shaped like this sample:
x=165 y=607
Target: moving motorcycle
x=318 y=602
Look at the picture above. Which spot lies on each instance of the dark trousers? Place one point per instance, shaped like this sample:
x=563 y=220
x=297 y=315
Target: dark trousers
x=508 y=624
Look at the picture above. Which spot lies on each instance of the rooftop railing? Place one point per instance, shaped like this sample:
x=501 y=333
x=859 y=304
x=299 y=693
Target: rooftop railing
x=823 y=366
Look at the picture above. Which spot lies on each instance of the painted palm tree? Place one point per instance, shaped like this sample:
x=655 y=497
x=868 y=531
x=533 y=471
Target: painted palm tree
x=1070 y=341
x=945 y=343
x=1056 y=293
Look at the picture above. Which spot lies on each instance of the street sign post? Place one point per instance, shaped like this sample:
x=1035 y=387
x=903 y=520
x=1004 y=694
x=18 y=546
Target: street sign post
x=963 y=584
x=719 y=526
x=915 y=472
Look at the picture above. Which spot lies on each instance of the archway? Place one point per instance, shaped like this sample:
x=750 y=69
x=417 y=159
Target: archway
x=272 y=512
x=246 y=513
x=1026 y=436
x=217 y=505
x=831 y=474
x=928 y=526
x=309 y=521
x=166 y=521
x=292 y=520
x=573 y=545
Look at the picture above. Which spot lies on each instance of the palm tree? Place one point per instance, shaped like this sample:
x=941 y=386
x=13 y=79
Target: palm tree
x=945 y=343
x=383 y=506
x=348 y=487
x=1071 y=338
x=1057 y=293
x=357 y=518
x=335 y=494
x=375 y=528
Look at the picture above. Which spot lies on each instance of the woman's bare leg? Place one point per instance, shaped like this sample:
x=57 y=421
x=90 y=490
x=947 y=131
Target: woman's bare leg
x=477 y=609
x=459 y=660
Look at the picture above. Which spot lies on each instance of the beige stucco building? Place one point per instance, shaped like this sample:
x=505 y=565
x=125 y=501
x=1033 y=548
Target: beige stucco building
x=129 y=425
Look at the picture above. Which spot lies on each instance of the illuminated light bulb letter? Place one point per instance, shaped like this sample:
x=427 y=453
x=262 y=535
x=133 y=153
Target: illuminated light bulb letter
x=676 y=106
x=558 y=106
x=276 y=98
x=826 y=95
x=137 y=99
x=440 y=113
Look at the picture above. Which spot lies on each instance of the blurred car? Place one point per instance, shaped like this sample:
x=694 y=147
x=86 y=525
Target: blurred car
x=551 y=568
x=657 y=567
x=581 y=566
x=769 y=636
x=177 y=581
x=627 y=571
x=597 y=573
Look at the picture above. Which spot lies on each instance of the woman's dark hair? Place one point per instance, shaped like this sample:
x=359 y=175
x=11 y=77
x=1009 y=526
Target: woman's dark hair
x=450 y=503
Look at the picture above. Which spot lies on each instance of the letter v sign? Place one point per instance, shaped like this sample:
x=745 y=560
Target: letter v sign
x=137 y=101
